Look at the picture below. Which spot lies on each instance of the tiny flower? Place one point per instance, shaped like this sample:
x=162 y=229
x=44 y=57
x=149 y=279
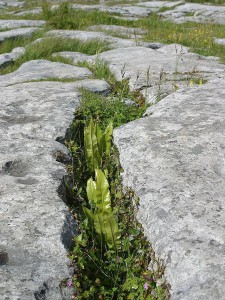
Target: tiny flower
x=146 y=286
x=70 y=283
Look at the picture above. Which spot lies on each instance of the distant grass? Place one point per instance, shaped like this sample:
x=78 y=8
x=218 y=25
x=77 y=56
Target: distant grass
x=65 y=17
x=47 y=46
x=9 y=44
x=28 y=16
x=199 y=37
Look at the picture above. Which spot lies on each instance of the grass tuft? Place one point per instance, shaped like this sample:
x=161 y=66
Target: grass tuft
x=199 y=37
x=44 y=49
x=65 y=17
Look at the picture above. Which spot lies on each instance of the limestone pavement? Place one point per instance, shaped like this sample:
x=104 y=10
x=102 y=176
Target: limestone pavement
x=173 y=157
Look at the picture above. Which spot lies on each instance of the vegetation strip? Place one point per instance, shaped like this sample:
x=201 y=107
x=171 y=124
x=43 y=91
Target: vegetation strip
x=111 y=255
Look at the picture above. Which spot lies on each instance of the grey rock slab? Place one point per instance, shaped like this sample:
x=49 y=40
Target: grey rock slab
x=16 y=33
x=78 y=34
x=93 y=85
x=36 y=226
x=160 y=4
x=8 y=3
x=44 y=69
x=201 y=13
x=200 y=8
x=161 y=71
x=220 y=41
x=34 y=11
x=153 y=4
x=143 y=66
x=126 y=18
x=33 y=216
x=124 y=10
x=174 y=160
x=85 y=36
x=133 y=11
x=4 y=24
x=74 y=56
x=7 y=58
x=131 y=32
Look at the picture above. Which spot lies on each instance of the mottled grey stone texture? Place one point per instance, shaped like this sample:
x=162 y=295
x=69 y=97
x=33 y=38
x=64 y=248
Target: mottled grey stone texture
x=143 y=65
x=44 y=69
x=121 y=30
x=9 y=3
x=10 y=24
x=75 y=57
x=85 y=36
x=16 y=33
x=220 y=41
x=36 y=226
x=157 y=72
x=124 y=10
x=173 y=157
x=160 y=4
x=201 y=13
x=34 y=11
x=7 y=58
x=174 y=160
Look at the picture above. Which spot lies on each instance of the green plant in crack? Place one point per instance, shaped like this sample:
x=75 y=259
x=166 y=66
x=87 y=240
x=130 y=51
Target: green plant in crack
x=105 y=109
x=97 y=144
x=101 y=215
x=119 y=88
x=111 y=254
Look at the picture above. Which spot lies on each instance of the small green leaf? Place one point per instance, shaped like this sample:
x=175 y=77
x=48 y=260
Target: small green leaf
x=98 y=133
x=107 y=137
x=92 y=155
x=91 y=191
x=102 y=195
x=88 y=213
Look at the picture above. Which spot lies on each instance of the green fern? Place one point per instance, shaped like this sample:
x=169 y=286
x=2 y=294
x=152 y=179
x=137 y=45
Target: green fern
x=104 y=219
x=97 y=144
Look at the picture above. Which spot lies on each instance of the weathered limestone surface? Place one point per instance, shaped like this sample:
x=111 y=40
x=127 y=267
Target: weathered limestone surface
x=10 y=24
x=220 y=41
x=9 y=3
x=15 y=33
x=34 y=11
x=44 y=69
x=130 y=32
x=7 y=58
x=174 y=159
x=35 y=224
x=144 y=66
x=124 y=10
x=85 y=36
x=200 y=13
x=160 y=4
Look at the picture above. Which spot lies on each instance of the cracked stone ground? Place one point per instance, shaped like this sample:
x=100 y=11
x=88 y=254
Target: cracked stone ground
x=173 y=158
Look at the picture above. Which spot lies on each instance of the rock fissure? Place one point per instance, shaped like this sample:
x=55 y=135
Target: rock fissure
x=173 y=157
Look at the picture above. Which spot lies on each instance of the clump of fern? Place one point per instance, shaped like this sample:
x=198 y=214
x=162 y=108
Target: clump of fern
x=111 y=254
